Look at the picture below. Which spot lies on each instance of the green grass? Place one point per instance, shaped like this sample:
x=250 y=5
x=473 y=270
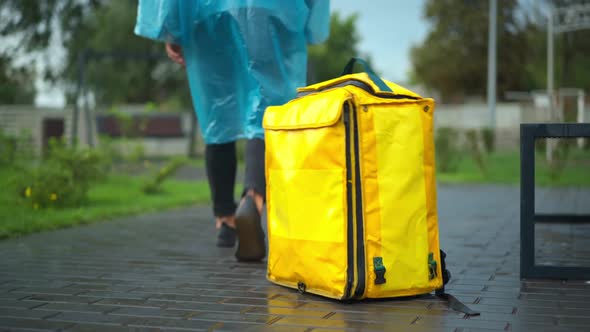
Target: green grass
x=122 y=195
x=118 y=196
x=504 y=168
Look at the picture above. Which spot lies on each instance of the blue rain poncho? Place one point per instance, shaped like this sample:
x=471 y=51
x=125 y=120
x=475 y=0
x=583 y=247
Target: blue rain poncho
x=241 y=55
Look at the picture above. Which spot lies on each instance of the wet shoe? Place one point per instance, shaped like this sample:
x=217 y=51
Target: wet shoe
x=226 y=237
x=251 y=246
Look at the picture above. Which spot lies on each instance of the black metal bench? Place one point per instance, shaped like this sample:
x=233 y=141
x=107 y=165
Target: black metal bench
x=528 y=134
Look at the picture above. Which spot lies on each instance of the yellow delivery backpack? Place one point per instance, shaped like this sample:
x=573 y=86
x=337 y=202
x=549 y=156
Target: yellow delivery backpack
x=351 y=193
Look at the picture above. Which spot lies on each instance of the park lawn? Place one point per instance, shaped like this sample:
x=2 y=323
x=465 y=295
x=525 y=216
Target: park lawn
x=122 y=195
x=115 y=197
x=504 y=168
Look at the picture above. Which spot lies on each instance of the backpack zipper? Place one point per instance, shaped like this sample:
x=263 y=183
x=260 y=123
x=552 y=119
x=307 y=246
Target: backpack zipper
x=350 y=270
x=360 y=237
x=355 y=285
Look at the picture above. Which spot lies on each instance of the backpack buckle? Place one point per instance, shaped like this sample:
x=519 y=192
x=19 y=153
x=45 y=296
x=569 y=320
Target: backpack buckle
x=379 y=269
x=432 y=267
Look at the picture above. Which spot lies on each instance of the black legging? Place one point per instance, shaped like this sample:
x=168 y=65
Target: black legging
x=221 y=164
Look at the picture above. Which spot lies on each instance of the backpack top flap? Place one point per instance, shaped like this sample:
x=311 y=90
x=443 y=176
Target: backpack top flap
x=397 y=92
x=312 y=111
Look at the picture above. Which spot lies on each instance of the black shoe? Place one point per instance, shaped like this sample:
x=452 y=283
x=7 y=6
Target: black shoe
x=251 y=246
x=226 y=237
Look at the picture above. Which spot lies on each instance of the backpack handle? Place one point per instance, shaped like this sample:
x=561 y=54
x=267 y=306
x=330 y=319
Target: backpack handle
x=378 y=81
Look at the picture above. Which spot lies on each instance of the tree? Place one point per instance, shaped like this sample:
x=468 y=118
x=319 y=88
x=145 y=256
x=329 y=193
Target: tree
x=107 y=25
x=453 y=58
x=117 y=80
x=100 y=25
x=33 y=23
x=30 y=23
x=572 y=50
x=16 y=84
x=329 y=58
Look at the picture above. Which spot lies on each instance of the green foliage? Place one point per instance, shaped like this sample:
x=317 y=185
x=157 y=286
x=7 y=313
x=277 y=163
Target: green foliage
x=86 y=165
x=129 y=125
x=329 y=58
x=106 y=26
x=32 y=20
x=31 y=24
x=560 y=155
x=131 y=153
x=504 y=168
x=154 y=185
x=108 y=149
x=475 y=150
x=241 y=151
x=99 y=25
x=51 y=185
x=8 y=149
x=16 y=84
x=130 y=150
x=540 y=144
x=571 y=53
x=448 y=151
x=15 y=150
x=116 y=196
x=64 y=178
x=113 y=81
x=489 y=139
x=136 y=153
x=571 y=63
x=125 y=122
x=453 y=57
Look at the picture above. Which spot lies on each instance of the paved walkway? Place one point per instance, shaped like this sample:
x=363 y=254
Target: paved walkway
x=162 y=272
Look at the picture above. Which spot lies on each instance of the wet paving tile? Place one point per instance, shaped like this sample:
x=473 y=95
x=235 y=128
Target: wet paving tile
x=129 y=275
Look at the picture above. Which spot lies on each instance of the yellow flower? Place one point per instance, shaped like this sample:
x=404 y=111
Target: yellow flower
x=36 y=206
x=53 y=196
x=28 y=192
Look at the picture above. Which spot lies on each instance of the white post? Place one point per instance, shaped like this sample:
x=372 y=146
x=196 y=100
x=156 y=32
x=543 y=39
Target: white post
x=550 y=57
x=492 y=63
x=550 y=145
x=581 y=110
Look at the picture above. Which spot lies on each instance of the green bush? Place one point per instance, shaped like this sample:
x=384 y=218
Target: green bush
x=132 y=128
x=475 y=150
x=136 y=154
x=241 y=150
x=51 y=186
x=448 y=153
x=108 y=148
x=63 y=178
x=154 y=185
x=560 y=158
x=540 y=145
x=128 y=155
x=7 y=149
x=15 y=149
x=489 y=139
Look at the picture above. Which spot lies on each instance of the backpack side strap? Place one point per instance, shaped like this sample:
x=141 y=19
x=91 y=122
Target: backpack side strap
x=452 y=301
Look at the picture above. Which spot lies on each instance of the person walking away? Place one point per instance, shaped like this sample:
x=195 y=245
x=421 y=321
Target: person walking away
x=240 y=57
